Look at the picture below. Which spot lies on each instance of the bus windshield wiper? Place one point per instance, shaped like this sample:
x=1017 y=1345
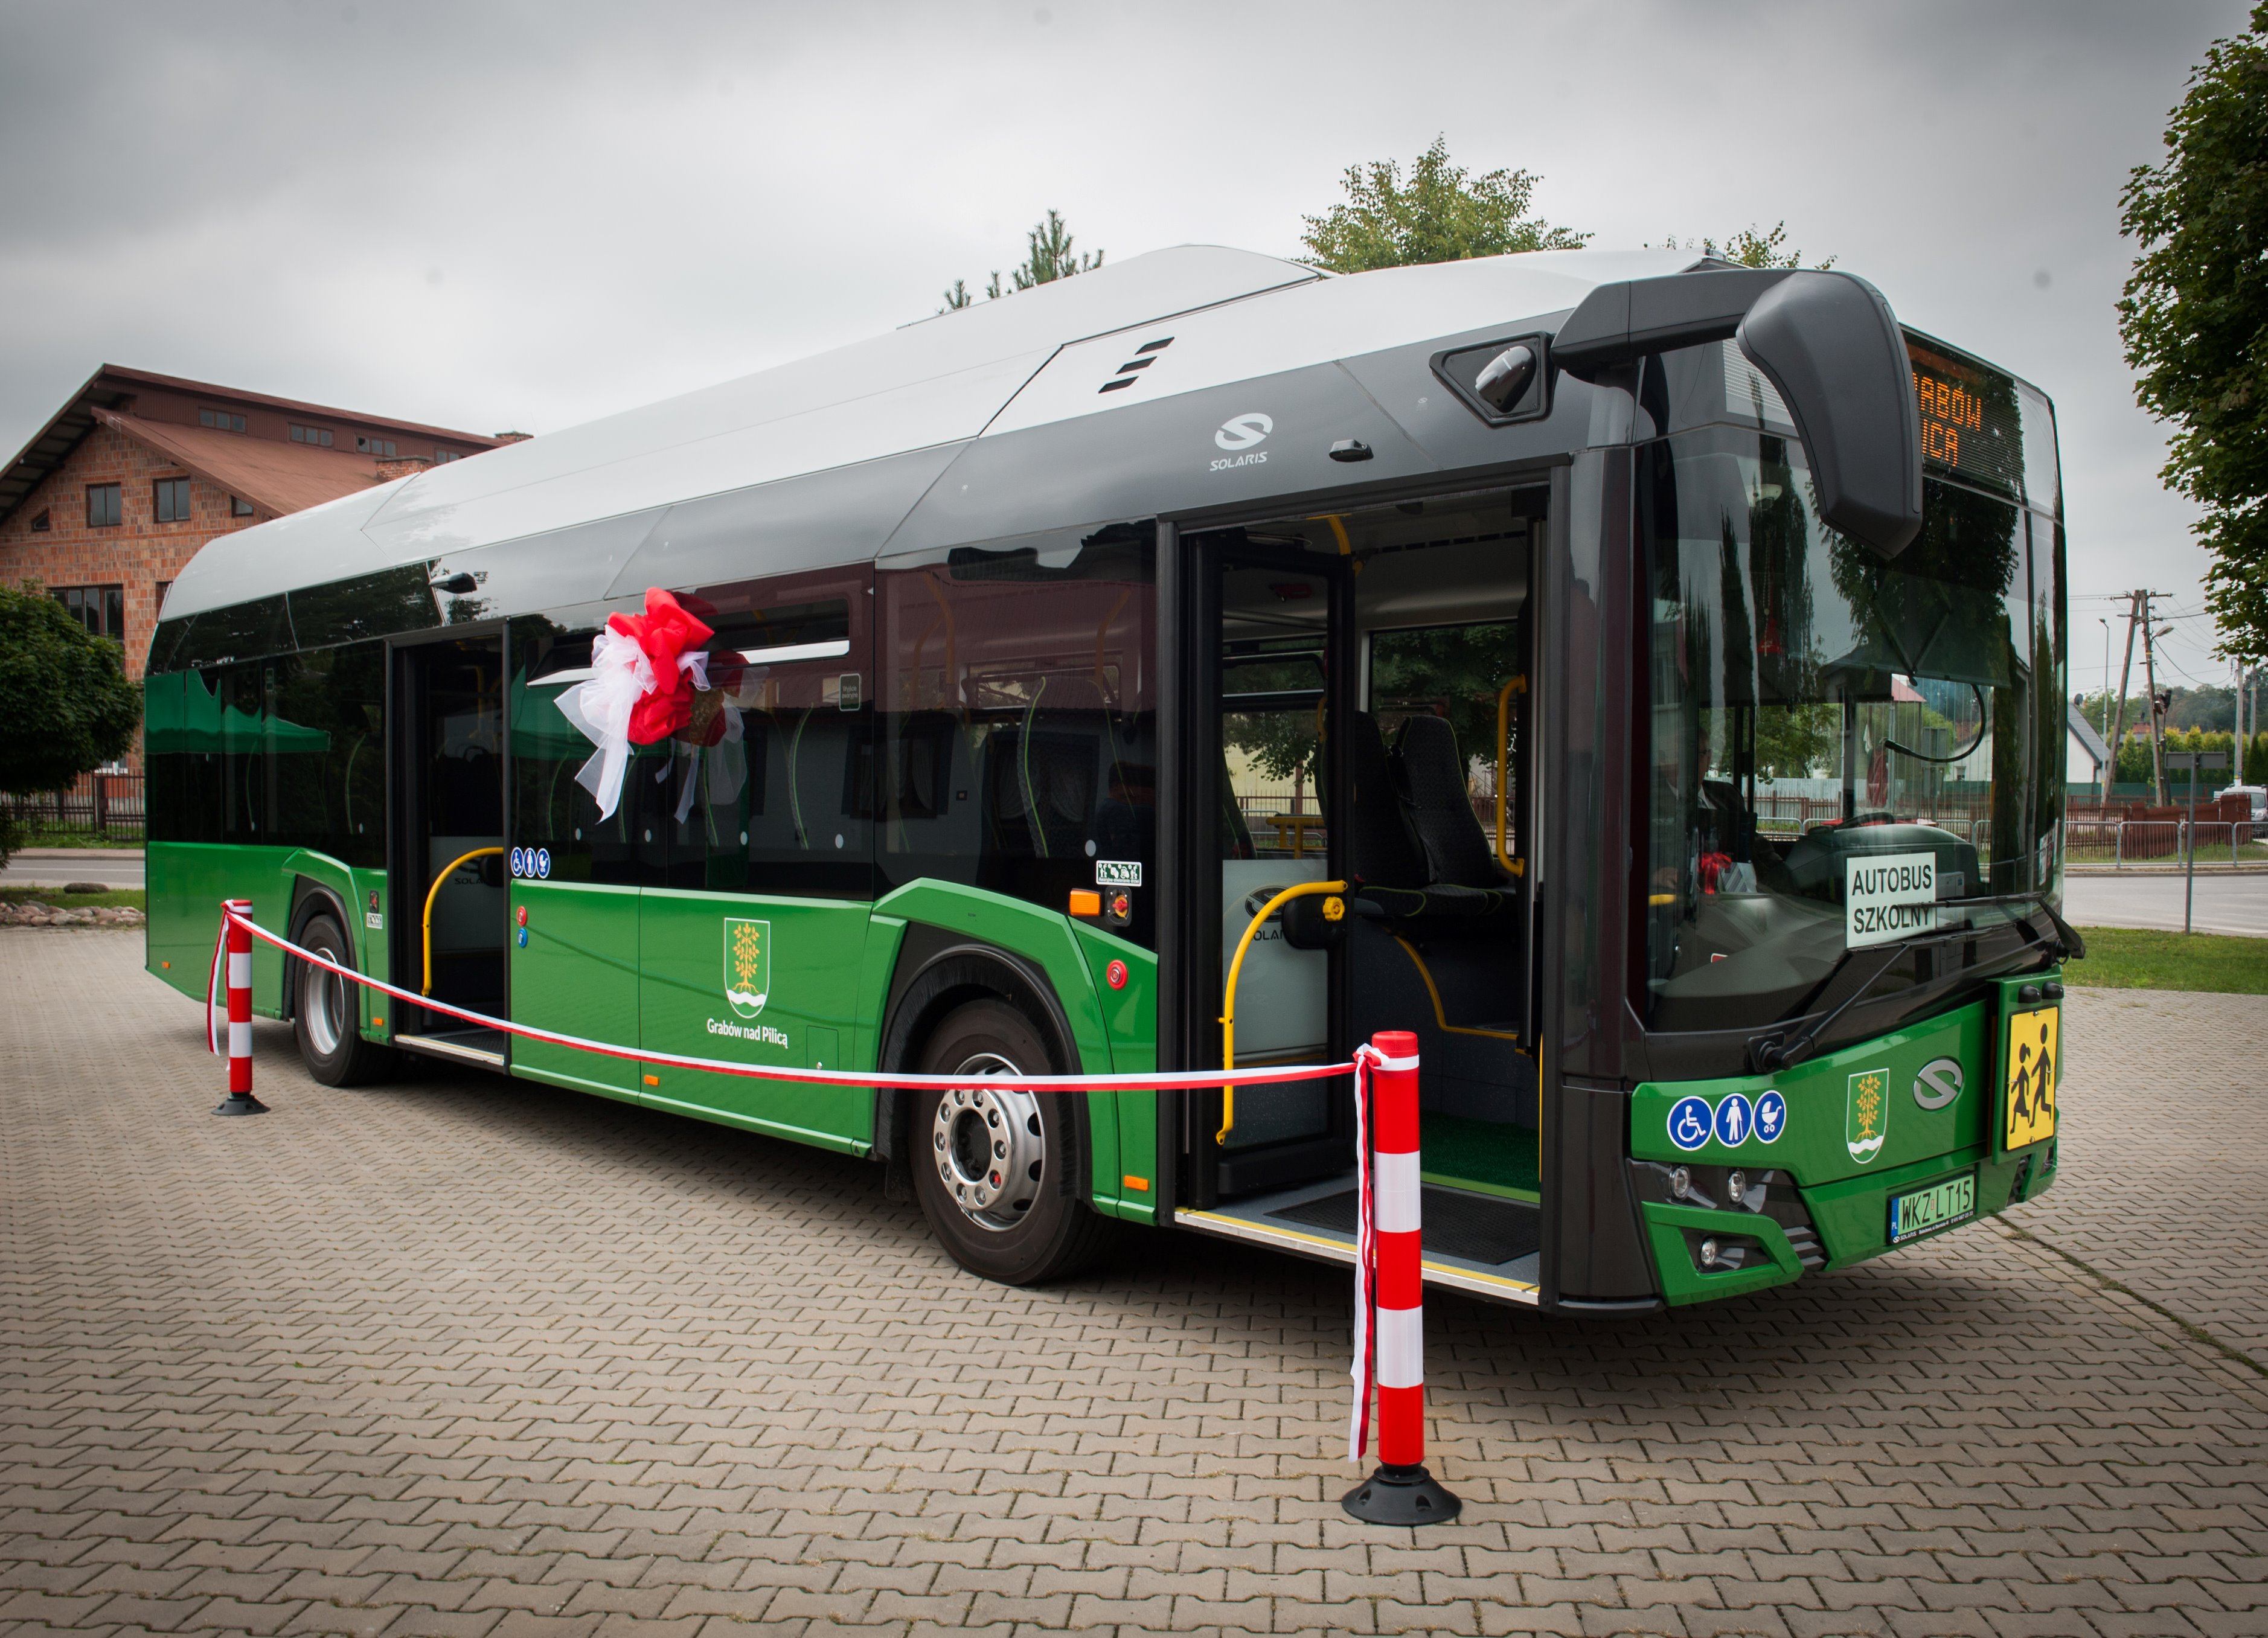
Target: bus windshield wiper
x=1772 y=1052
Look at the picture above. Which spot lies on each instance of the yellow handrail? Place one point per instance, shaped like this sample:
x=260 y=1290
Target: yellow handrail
x=1517 y=685
x=1235 y=970
x=433 y=893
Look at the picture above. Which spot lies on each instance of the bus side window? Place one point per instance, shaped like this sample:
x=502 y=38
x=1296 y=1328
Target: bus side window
x=1018 y=718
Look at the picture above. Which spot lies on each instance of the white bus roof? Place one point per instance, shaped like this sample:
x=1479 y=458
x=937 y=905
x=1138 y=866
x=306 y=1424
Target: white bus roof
x=1000 y=366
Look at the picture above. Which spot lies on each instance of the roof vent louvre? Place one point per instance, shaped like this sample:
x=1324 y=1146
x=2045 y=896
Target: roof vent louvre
x=1145 y=355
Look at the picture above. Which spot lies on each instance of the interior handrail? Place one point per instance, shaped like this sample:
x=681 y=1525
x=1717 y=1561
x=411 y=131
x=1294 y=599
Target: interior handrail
x=433 y=893
x=1299 y=889
x=1517 y=685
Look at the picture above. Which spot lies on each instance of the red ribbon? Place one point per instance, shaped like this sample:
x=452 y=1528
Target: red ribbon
x=665 y=632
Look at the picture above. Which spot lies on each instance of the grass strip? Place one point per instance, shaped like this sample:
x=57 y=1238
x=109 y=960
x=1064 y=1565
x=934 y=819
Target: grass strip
x=2135 y=957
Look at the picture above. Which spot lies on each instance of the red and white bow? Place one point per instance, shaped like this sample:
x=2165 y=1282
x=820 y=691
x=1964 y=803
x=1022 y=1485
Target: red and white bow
x=626 y=701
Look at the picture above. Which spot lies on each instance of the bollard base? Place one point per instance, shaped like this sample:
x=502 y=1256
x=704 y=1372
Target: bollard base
x=240 y=1104
x=1401 y=1496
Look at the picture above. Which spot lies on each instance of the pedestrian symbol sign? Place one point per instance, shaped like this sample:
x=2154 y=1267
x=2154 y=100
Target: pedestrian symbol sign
x=1736 y=1118
x=2034 y=1059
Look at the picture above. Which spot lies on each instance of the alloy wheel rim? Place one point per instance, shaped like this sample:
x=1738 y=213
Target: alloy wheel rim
x=322 y=1002
x=986 y=1141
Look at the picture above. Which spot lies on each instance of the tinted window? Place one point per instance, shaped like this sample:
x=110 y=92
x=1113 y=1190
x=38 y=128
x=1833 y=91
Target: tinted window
x=1019 y=724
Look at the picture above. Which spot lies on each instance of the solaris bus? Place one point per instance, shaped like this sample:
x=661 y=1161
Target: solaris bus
x=1648 y=673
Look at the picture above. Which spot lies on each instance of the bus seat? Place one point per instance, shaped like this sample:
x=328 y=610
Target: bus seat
x=1380 y=850
x=1433 y=782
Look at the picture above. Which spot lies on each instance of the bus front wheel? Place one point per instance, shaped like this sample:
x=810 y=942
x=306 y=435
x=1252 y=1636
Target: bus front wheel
x=326 y=1016
x=987 y=1155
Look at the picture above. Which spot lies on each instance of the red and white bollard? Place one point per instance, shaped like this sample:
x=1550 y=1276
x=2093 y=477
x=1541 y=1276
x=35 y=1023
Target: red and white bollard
x=1401 y=1492
x=240 y=1100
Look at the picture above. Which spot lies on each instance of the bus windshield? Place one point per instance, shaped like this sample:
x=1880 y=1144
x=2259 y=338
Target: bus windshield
x=1813 y=704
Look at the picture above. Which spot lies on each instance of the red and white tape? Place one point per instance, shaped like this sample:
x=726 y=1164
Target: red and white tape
x=1157 y=1080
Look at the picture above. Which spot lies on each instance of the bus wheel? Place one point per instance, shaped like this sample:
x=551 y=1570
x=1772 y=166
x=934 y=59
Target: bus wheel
x=985 y=1155
x=327 y=1020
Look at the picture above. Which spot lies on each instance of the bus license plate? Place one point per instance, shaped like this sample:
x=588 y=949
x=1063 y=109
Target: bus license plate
x=1940 y=1205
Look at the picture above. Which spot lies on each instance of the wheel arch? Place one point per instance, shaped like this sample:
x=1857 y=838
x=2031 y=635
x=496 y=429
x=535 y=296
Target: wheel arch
x=311 y=897
x=938 y=971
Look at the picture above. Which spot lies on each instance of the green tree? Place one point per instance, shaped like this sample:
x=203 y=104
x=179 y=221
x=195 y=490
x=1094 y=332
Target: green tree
x=65 y=705
x=1047 y=256
x=1441 y=214
x=2195 y=320
x=1748 y=248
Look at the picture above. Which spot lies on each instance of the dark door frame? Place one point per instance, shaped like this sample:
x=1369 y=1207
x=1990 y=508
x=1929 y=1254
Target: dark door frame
x=405 y=788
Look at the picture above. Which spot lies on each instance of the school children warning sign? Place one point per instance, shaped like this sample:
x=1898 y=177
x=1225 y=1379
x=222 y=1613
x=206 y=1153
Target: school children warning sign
x=1889 y=896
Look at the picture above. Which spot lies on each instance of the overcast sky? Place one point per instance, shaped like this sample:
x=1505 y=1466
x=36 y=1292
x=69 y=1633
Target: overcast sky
x=493 y=215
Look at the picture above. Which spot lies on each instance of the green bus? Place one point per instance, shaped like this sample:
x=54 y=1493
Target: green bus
x=1640 y=676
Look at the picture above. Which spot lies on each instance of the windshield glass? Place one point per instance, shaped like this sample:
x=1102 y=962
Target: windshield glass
x=1842 y=751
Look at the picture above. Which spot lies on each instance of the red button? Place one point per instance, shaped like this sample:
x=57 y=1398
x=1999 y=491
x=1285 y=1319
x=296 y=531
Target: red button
x=523 y=915
x=1116 y=973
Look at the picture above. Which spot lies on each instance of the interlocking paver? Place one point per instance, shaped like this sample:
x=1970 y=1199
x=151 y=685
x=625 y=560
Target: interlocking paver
x=463 y=1355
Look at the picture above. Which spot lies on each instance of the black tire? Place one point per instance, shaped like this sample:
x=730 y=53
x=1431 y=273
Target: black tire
x=986 y=1160
x=326 y=1017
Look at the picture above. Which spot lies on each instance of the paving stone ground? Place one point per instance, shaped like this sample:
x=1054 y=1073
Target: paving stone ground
x=466 y=1355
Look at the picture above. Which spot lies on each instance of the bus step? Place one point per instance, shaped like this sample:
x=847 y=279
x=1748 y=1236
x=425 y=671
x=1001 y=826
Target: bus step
x=485 y=1048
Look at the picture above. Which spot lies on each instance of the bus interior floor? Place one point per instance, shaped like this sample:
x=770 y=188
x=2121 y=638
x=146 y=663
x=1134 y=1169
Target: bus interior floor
x=1485 y=1156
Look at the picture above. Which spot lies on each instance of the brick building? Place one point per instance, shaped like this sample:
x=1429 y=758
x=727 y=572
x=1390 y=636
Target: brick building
x=114 y=494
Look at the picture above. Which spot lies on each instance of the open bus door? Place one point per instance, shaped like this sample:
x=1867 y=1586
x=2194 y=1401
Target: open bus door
x=448 y=870
x=1355 y=709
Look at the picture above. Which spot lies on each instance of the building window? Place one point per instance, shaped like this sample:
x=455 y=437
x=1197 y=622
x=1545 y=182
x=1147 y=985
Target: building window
x=238 y=507
x=444 y=455
x=100 y=609
x=102 y=511
x=40 y=523
x=220 y=420
x=311 y=435
x=172 y=500
x=157 y=606
x=374 y=446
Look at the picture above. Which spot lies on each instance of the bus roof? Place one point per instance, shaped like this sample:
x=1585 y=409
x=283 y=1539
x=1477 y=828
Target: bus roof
x=886 y=416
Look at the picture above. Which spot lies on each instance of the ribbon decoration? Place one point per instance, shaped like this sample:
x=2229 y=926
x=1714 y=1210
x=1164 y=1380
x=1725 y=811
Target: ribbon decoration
x=624 y=703
x=1364 y=1368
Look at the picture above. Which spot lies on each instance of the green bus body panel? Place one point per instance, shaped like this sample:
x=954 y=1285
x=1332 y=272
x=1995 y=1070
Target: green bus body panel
x=355 y=889
x=578 y=974
x=187 y=882
x=1050 y=942
x=797 y=1003
x=1847 y=1162
x=1129 y=1018
x=1682 y=1282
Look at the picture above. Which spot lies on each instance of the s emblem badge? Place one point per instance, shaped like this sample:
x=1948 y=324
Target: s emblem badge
x=1243 y=431
x=1938 y=1085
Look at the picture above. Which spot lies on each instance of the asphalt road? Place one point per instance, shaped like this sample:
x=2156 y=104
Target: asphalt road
x=2225 y=904
x=117 y=870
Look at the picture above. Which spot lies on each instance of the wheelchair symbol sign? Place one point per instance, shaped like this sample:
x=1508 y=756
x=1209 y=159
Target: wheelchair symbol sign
x=1690 y=1120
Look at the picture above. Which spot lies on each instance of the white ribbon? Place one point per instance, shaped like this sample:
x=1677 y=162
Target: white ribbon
x=600 y=709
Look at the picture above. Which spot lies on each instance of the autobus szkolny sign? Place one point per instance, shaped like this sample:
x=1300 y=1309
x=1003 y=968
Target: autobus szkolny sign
x=1889 y=896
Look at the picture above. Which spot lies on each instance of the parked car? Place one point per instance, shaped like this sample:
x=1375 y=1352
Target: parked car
x=2258 y=795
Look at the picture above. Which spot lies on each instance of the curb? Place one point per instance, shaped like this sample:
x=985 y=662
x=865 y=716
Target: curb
x=120 y=854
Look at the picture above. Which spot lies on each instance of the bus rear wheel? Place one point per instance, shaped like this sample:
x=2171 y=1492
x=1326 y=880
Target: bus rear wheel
x=326 y=1017
x=986 y=1156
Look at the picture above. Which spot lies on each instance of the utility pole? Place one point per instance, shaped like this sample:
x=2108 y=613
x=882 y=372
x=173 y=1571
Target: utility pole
x=2157 y=706
x=2125 y=670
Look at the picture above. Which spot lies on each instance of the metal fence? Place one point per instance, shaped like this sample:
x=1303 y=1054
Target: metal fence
x=2121 y=842
x=108 y=805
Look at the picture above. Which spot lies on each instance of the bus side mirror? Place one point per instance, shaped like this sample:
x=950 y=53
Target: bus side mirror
x=1832 y=347
x=1829 y=344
